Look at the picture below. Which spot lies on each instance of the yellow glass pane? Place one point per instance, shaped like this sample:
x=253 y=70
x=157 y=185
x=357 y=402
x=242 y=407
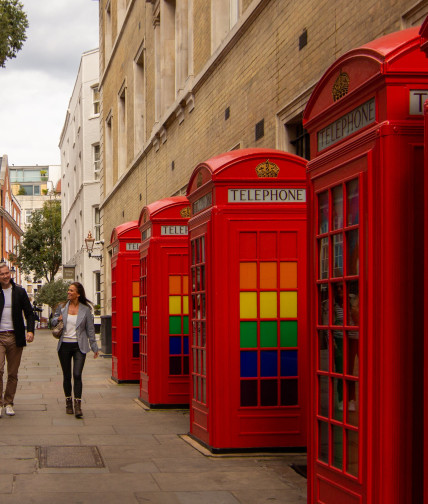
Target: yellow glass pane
x=268 y=275
x=135 y=289
x=248 y=275
x=135 y=304
x=268 y=305
x=174 y=284
x=185 y=305
x=288 y=304
x=175 y=305
x=288 y=275
x=185 y=284
x=248 y=305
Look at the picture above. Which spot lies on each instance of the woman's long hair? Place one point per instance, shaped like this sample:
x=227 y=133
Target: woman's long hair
x=82 y=295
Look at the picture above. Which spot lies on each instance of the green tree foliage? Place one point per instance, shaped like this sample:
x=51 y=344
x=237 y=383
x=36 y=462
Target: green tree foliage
x=52 y=293
x=39 y=252
x=13 y=25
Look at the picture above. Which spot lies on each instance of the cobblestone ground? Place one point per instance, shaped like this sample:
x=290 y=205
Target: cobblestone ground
x=146 y=455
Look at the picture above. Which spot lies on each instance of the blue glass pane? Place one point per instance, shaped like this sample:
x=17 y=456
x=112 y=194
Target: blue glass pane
x=248 y=364
x=175 y=345
x=135 y=335
x=268 y=363
x=289 y=363
x=186 y=345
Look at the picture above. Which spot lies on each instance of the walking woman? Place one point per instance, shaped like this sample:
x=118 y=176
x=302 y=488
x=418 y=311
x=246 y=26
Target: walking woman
x=78 y=337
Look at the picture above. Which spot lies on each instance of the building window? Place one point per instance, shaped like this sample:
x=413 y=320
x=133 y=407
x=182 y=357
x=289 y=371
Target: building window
x=28 y=214
x=121 y=155
x=29 y=190
x=96 y=155
x=97 y=224
x=96 y=99
x=97 y=288
x=298 y=139
x=139 y=101
x=108 y=153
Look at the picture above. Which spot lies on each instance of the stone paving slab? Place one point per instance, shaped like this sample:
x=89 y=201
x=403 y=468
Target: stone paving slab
x=146 y=456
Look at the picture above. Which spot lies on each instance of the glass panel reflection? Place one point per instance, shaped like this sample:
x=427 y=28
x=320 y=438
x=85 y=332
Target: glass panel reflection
x=337 y=213
x=323 y=351
x=323 y=259
x=323 y=442
x=352 y=254
x=338 y=399
x=353 y=202
x=338 y=255
x=323 y=396
x=353 y=303
x=338 y=304
x=337 y=446
x=353 y=403
x=352 y=452
x=323 y=304
x=338 y=351
x=353 y=361
x=323 y=212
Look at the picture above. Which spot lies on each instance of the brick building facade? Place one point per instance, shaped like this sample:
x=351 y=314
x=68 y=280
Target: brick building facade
x=183 y=80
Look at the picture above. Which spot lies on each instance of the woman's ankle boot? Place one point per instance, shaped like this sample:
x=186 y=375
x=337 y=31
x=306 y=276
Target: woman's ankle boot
x=69 y=405
x=78 y=408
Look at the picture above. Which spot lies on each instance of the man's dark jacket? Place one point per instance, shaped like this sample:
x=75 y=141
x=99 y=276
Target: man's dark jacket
x=20 y=303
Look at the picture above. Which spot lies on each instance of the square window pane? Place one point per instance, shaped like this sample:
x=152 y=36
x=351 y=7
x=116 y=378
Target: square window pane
x=174 y=325
x=323 y=305
x=248 y=305
x=268 y=333
x=269 y=392
x=337 y=255
x=185 y=345
x=288 y=333
x=323 y=351
x=352 y=254
x=323 y=212
x=337 y=446
x=352 y=452
x=268 y=363
x=288 y=304
x=352 y=411
x=288 y=275
x=248 y=275
x=175 y=345
x=337 y=304
x=175 y=284
x=268 y=275
x=186 y=365
x=249 y=393
x=248 y=334
x=323 y=258
x=289 y=392
x=288 y=362
x=248 y=364
x=337 y=212
x=323 y=396
x=175 y=365
x=338 y=399
x=323 y=442
x=353 y=303
x=353 y=361
x=186 y=324
x=268 y=305
x=352 y=202
x=338 y=351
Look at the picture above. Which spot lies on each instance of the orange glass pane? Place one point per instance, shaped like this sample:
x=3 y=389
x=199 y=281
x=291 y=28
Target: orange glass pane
x=135 y=289
x=248 y=275
x=174 y=284
x=288 y=275
x=185 y=284
x=268 y=275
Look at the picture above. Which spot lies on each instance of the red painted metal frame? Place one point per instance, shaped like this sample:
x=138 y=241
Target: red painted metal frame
x=124 y=272
x=162 y=255
x=387 y=155
x=217 y=418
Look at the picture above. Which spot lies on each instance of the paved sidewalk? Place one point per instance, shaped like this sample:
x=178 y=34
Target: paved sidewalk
x=146 y=459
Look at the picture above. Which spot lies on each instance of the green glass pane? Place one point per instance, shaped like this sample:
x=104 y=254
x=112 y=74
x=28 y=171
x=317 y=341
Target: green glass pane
x=248 y=334
x=268 y=333
x=174 y=325
x=185 y=324
x=288 y=333
x=135 y=319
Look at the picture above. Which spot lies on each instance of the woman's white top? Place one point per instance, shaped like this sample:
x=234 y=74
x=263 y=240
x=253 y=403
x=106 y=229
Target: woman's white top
x=70 y=335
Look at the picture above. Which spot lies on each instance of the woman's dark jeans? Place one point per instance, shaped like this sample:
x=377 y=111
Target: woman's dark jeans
x=68 y=352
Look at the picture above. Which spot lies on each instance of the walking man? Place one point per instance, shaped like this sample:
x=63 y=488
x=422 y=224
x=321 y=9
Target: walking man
x=13 y=301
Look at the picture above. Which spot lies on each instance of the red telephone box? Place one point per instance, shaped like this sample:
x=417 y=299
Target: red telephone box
x=164 y=376
x=366 y=282
x=125 y=299
x=248 y=289
x=424 y=47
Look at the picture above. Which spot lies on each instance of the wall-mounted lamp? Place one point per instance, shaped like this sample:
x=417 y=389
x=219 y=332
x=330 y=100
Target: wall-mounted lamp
x=90 y=240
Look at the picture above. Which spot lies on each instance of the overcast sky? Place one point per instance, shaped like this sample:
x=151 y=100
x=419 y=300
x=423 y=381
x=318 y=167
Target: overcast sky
x=36 y=86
